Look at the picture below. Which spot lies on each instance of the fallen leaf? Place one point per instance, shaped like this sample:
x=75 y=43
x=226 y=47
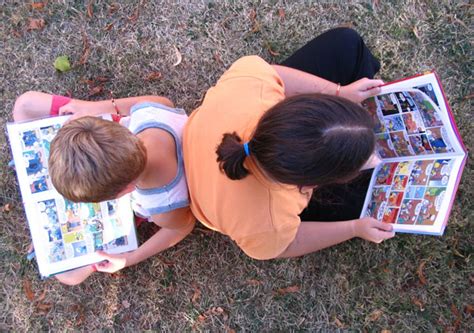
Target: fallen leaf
x=469 y=309
x=416 y=33
x=41 y=297
x=35 y=24
x=90 y=9
x=102 y=79
x=375 y=315
x=108 y=27
x=86 y=49
x=7 y=208
x=38 y=5
x=254 y=282
x=196 y=294
x=214 y=311
x=125 y=304
x=457 y=314
x=273 y=53
x=252 y=15
x=217 y=57
x=28 y=290
x=385 y=331
x=287 y=290
x=80 y=316
x=153 y=76
x=338 y=323
x=419 y=271
x=113 y=8
x=468 y=96
x=179 y=57
x=62 y=64
x=134 y=17
x=95 y=91
x=45 y=307
x=253 y=20
x=281 y=14
x=418 y=303
x=228 y=329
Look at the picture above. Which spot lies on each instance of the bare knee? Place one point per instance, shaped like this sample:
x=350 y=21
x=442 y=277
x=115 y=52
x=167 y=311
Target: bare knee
x=69 y=279
x=22 y=105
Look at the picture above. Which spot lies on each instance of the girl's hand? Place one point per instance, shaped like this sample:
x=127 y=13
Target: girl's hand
x=372 y=230
x=111 y=262
x=361 y=90
x=78 y=108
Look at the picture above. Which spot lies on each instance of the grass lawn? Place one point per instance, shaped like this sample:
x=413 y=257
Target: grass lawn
x=410 y=283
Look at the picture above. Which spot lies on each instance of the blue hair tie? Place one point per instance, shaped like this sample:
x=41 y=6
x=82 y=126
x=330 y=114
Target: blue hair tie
x=246 y=149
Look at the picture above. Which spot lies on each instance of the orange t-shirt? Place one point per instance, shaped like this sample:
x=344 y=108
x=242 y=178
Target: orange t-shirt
x=261 y=216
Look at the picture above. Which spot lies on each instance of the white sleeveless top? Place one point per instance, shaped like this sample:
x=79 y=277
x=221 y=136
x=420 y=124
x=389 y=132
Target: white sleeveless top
x=148 y=202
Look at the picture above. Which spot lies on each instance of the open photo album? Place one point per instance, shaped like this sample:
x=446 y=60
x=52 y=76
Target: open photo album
x=422 y=155
x=65 y=234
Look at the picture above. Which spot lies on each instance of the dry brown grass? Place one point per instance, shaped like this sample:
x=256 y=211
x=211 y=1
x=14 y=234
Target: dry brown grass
x=206 y=283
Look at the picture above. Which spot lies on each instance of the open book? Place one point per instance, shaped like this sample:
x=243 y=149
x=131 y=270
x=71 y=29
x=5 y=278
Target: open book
x=422 y=156
x=65 y=234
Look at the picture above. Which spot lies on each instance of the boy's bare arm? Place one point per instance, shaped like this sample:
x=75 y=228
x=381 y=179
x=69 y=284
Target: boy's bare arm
x=34 y=105
x=175 y=226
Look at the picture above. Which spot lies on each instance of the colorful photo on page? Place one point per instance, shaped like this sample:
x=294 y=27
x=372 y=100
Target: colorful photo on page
x=428 y=110
x=394 y=123
x=380 y=194
x=404 y=168
x=415 y=192
x=399 y=182
x=390 y=215
x=395 y=198
x=409 y=211
x=385 y=174
x=438 y=141
x=431 y=205
x=428 y=90
x=384 y=146
x=376 y=209
x=413 y=123
x=440 y=172
x=420 y=172
x=387 y=104
x=405 y=101
x=401 y=143
x=56 y=252
x=420 y=144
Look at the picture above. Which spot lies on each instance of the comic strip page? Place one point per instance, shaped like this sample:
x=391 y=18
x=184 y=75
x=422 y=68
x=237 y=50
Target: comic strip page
x=411 y=119
x=65 y=234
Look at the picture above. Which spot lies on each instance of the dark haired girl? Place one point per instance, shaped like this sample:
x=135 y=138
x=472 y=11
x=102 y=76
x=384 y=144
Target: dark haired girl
x=266 y=136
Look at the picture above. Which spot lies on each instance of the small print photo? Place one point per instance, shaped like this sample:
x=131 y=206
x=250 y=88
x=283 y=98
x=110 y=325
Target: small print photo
x=409 y=211
x=415 y=192
x=428 y=90
x=30 y=140
x=395 y=198
x=375 y=209
x=56 y=252
x=401 y=144
x=440 y=173
x=437 y=140
x=420 y=144
x=431 y=205
x=413 y=123
x=420 y=172
x=384 y=145
x=399 y=182
x=385 y=174
x=404 y=168
x=387 y=104
x=428 y=110
x=394 y=123
x=390 y=215
x=405 y=101
x=80 y=249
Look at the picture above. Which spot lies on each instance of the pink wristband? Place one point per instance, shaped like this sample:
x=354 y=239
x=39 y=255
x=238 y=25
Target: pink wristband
x=57 y=103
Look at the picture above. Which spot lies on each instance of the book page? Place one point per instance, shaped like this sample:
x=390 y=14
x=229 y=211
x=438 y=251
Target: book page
x=412 y=119
x=413 y=195
x=65 y=234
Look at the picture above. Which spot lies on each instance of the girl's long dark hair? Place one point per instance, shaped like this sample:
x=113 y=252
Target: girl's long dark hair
x=305 y=140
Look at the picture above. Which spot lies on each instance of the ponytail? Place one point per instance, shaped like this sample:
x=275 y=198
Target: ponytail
x=231 y=156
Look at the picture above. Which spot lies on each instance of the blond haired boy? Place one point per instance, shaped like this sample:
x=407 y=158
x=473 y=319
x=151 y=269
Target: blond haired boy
x=93 y=160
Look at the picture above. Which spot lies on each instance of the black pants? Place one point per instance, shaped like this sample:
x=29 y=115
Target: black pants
x=340 y=56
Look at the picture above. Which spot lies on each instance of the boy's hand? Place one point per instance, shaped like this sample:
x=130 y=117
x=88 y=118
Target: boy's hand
x=361 y=90
x=372 y=230
x=112 y=262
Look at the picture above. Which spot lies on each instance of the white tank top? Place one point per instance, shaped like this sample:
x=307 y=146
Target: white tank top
x=148 y=202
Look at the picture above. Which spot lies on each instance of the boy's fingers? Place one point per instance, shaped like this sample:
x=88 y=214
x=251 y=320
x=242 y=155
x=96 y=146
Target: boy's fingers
x=384 y=226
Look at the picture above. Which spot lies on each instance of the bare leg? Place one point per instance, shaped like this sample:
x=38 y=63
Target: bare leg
x=75 y=276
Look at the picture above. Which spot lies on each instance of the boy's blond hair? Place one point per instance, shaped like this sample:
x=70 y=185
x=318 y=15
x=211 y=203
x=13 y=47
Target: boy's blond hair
x=92 y=159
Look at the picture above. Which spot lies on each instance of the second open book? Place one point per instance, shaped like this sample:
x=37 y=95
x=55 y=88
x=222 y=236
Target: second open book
x=422 y=156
